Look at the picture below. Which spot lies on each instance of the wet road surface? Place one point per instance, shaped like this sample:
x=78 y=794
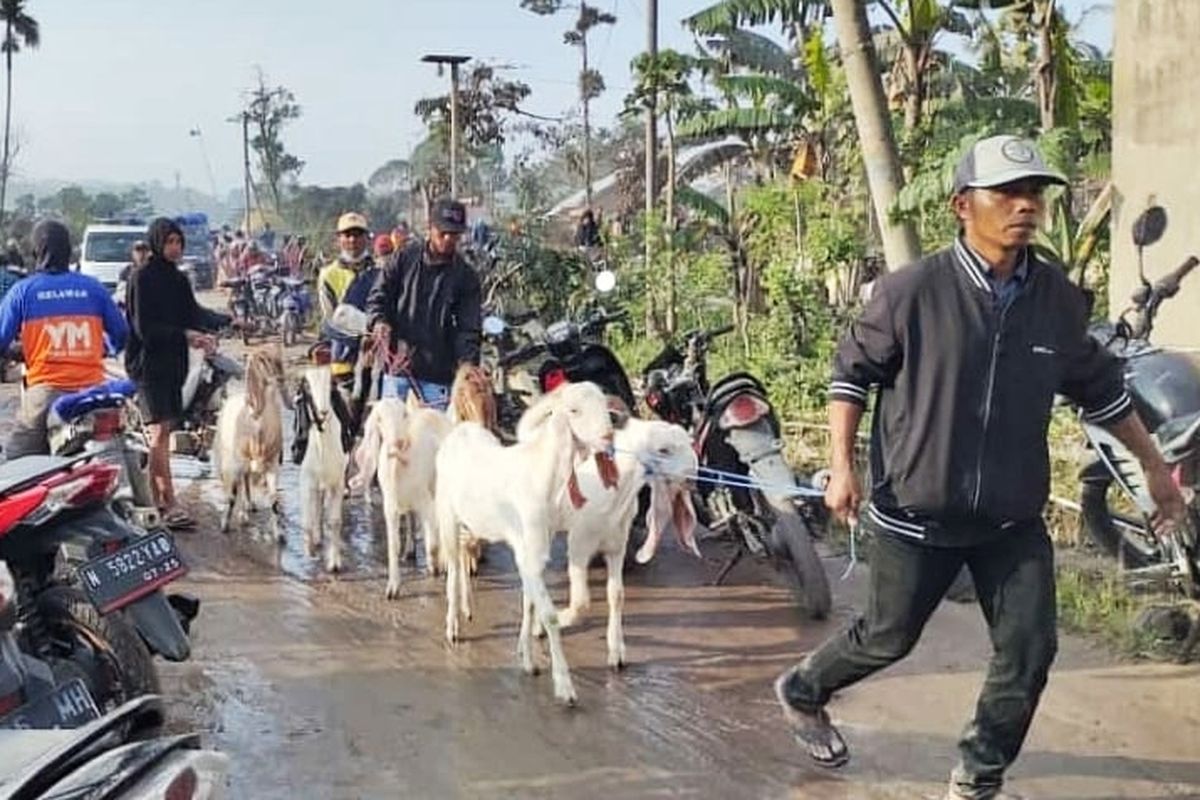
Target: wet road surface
x=318 y=687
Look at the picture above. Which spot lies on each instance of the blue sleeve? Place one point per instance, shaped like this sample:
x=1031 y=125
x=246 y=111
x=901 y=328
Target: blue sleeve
x=11 y=315
x=115 y=326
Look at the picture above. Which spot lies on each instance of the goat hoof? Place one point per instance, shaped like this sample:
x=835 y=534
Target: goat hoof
x=280 y=540
x=617 y=664
x=393 y=591
x=568 y=698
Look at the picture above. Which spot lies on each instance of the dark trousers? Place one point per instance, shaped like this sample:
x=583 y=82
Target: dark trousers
x=1014 y=577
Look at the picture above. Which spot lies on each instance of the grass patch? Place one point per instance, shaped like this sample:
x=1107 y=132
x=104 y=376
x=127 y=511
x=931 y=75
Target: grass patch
x=1095 y=602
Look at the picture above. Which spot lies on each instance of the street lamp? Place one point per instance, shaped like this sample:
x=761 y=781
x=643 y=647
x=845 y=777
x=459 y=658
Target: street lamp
x=212 y=182
x=454 y=62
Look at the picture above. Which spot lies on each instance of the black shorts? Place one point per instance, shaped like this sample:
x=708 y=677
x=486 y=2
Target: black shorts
x=161 y=401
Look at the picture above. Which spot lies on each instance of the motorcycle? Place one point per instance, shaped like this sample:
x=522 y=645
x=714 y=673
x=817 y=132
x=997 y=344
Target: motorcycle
x=204 y=390
x=737 y=433
x=569 y=352
x=104 y=421
x=117 y=756
x=1165 y=388
x=89 y=586
x=29 y=695
x=295 y=306
x=255 y=302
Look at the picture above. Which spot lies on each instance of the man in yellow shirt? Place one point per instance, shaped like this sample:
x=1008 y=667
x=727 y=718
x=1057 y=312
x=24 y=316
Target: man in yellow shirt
x=348 y=279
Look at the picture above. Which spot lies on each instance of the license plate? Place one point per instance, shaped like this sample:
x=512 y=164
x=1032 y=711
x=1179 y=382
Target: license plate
x=68 y=706
x=118 y=579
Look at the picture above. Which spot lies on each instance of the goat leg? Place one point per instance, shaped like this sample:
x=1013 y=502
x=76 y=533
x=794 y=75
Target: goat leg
x=272 y=479
x=577 y=575
x=333 y=540
x=615 y=564
x=392 y=522
x=525 y=636
x=535 y=590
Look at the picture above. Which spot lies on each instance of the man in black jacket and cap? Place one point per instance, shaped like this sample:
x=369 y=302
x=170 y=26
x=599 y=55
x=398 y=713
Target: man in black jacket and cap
x=425 y=309
x=165 y=320
x=966 y=350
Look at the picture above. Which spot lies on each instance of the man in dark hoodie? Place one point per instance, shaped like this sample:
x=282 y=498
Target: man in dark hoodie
x=165 y=319
x=61 y=318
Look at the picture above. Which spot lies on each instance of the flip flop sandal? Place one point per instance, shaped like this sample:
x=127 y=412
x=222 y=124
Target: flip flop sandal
x=814 y=732
x=177 y=520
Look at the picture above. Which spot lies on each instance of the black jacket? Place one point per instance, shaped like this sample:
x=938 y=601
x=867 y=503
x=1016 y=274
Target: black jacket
x=161 y=308
x=434 y=308
x=958 y=439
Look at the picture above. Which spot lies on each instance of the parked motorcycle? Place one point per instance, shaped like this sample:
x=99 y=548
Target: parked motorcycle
x=104 y=421
x=737 y=433
x=566 y=352
x=89 y=586
x=295 y=305
x=204 y=390
x=29 y=695
x=115 y=757
x=1165 y=388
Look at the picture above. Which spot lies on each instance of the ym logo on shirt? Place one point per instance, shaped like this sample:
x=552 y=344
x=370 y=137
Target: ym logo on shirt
x=69 y=337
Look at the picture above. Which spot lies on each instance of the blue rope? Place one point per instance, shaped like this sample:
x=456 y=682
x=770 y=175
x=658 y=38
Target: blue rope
x=718 y=477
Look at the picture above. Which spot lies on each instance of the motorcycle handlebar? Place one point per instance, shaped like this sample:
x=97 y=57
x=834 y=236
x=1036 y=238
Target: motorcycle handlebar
x=720 y=331
x=523 y=354
x=1169 y=285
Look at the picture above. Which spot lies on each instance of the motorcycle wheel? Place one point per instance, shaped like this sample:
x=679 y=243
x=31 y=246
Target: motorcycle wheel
x=796 y=556
x=117 y=665
x=1121 y=536
x=290 y=326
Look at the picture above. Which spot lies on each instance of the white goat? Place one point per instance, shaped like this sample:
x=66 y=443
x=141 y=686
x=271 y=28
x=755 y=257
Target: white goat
x=248 y=445
x=399 y=446
x=511 y=494
x=648 y=452
x=323 y=471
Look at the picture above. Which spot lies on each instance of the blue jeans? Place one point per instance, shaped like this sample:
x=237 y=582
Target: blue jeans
x=434 y=395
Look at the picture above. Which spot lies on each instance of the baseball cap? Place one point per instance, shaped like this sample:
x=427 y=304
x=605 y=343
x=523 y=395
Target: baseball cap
x=352 y=220
x=449 y=216
x=998 y=160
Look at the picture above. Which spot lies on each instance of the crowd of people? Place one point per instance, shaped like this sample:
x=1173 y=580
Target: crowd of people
x=964 y=353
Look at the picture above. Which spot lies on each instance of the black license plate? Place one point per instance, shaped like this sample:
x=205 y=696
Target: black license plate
x=68 y=706
x=118 y=579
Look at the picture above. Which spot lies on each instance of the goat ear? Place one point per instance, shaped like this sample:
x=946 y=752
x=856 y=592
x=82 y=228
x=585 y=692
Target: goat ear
x=411 y=403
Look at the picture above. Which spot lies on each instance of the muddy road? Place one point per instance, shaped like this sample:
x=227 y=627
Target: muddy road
x=319 y=688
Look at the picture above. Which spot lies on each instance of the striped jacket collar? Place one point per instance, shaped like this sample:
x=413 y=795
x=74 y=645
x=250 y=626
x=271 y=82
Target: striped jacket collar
x=978 y=271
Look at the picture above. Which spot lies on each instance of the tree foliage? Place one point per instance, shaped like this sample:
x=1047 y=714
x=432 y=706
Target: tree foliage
x=270 y=109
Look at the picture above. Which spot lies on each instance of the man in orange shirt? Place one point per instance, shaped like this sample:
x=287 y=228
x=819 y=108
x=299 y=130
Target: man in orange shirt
x=62 y=318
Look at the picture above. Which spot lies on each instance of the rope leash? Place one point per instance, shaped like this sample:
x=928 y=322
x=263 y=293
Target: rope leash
x=718 y=477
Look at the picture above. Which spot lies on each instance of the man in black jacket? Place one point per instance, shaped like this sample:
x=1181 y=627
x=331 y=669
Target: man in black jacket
x=425 y=309
x=967 y=348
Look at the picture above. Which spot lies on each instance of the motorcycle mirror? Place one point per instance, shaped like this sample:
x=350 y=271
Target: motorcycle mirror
x=1149 y=226
x=493 y=325
x=348 y=320
x=606 y=281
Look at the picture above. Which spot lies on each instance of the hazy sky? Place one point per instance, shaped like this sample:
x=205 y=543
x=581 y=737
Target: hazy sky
x=116 y=85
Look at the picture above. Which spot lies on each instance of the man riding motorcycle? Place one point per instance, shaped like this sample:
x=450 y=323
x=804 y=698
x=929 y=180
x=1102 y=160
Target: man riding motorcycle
x=347 y=280
x=425 y=311
x=62 y=318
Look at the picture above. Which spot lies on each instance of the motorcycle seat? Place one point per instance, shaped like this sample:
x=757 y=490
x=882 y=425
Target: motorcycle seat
x=733 y=385
x=110 y=394
x=233 y=283
x=294 y=283
x=19 y=472
x=1177 y=437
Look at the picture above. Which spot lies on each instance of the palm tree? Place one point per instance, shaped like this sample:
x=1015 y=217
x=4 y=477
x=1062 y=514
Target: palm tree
x=880 y=156
x=19 y=28
x=591 y=82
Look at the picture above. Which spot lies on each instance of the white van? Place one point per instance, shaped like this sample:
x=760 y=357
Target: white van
x=106 y=250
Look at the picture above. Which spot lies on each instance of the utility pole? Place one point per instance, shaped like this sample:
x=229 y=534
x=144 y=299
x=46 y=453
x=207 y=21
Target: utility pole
x=651 y=127
x=246 y=166
x=454 y=62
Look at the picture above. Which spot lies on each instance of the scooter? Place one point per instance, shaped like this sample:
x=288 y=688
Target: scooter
x=89 y=586
x=1165 y=387
x=737 y=437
